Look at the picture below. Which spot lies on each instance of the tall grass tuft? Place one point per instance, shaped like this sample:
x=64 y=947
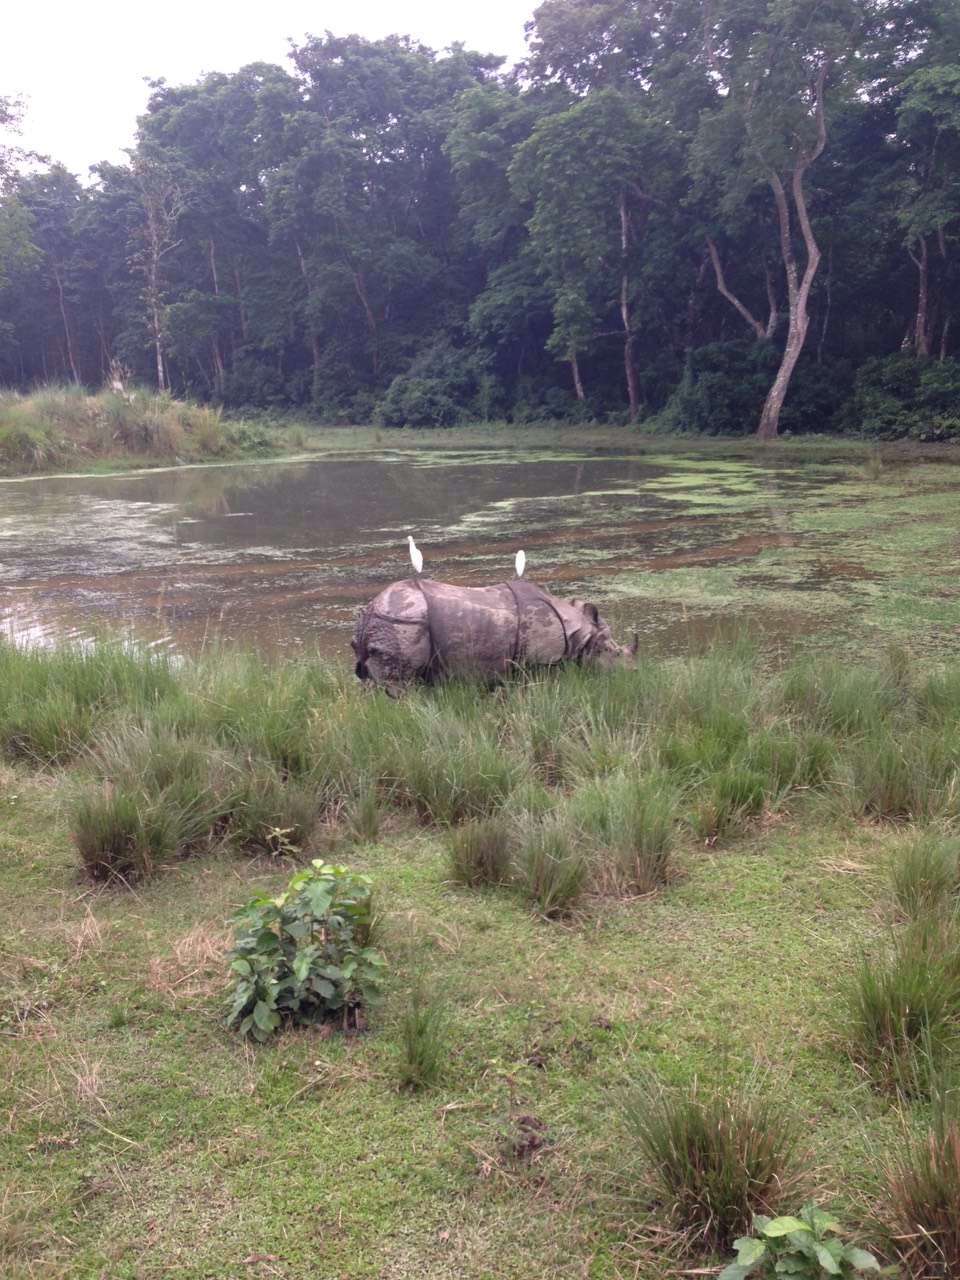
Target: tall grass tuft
x=266 y=812
x=457 y=770
x=716 y=1156
x=423 y=1039
x=54 y=426
x=926 y=875
x=479 y=852
x=630 y=822
x=906 y=1006
x=551 y=868
x=922 y=1200
x=159 y=797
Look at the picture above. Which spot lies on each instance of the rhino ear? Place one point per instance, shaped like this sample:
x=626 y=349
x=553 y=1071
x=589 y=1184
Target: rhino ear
x=592 y=613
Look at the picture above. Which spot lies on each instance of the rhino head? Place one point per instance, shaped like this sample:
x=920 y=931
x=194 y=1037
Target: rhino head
x=595 y=639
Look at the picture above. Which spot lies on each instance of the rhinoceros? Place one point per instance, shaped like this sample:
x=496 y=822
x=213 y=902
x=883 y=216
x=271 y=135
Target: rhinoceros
x=420 y=629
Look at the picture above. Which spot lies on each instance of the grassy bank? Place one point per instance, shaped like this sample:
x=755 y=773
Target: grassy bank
x=60 y=428
x=613 y=886
x=65 y=428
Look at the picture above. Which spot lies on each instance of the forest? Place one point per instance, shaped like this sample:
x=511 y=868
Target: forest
x=719 y=216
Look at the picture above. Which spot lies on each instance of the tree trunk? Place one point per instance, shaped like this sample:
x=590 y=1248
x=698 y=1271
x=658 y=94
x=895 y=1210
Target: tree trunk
x=633 y=395
x=314 y=340
x=360 y=285
x=773 y=315
x=943 y=337
x=242 y=308
x=921 y=328
x=798 y=291
x=577 y=380
x=68 y=337
x=218 y=373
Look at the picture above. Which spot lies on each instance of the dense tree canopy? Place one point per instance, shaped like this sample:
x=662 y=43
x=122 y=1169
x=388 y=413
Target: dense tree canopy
x=705 y=214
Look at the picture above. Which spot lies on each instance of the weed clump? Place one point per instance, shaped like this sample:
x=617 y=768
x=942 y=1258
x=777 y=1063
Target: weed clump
x=551 y=869
x=716 y=1156
x=55 y=426
x=630 y=823
x=479 y=852
x=922 y=1200
x=906 y=1006
x=926 y=875
x=423 y=1040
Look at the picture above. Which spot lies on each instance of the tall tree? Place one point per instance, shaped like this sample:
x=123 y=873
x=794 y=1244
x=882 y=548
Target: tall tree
x=594 y=173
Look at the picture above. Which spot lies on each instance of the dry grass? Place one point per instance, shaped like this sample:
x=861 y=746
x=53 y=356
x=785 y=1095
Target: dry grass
x=194 y=965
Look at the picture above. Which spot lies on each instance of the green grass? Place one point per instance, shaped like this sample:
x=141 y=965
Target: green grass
x=716 y=1155
x=635 y=939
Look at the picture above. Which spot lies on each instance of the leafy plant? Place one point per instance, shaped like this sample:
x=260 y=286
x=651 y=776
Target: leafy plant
x=807 y=1248
x=305 y=956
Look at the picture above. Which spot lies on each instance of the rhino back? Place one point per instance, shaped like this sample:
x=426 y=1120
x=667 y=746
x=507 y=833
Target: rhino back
x=473 y=629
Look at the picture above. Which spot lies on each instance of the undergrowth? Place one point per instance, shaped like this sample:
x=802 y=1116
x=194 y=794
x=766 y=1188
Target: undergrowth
x=596 y=774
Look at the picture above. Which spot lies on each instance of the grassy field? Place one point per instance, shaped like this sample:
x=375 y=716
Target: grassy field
x=736 y=834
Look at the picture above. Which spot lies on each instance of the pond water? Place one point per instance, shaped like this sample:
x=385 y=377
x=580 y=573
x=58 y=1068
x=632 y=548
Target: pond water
x=280 y=554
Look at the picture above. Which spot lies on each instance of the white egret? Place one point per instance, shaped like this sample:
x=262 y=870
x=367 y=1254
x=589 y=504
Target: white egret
x=520 y=563
x=416 y=556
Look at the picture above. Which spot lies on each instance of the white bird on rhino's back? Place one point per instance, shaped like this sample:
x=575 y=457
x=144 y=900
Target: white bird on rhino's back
x=416 y=557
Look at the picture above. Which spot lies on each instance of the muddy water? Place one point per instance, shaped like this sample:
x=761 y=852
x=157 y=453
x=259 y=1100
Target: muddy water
x=280 y=554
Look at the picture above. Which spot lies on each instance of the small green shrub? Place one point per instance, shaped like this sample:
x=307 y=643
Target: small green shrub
x=305 y=957
x=479 y=852
x=716 y=1156
x=926 y=875
x=808 y=1248
x=551 y=869
x=423 y=1040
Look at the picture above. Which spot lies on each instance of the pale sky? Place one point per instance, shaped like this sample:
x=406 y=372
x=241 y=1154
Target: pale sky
x=81 y=66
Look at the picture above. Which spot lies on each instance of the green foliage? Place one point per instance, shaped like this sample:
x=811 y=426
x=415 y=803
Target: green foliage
x=722 y=390
x=717 y=1156
x=305 y=957
x=808 y=1247
x=443 y=386
x=900 y=396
